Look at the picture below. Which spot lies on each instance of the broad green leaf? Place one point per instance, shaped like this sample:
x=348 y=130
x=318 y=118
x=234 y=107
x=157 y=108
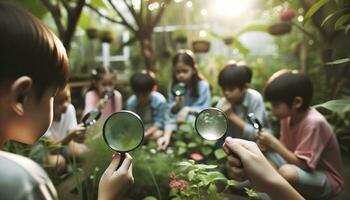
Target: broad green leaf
x=332 y=14
x=219 y=154
x=252 y=28
x=181 y=151
x=180 y=144
x=231 y=182
x=241 y=48
x=149 y=198
x=206 y=150
x=314 y=9
x=341 y=106
x=192 y=145
x=212 y=190
x=341 y=21
x=339 y=61
x=186 y=128
x=203 y=166
x=191 y=175
x=215 y=176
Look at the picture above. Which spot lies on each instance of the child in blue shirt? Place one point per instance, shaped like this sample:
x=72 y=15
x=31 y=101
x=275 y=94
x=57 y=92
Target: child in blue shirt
x=150 y=105
x=195 y=99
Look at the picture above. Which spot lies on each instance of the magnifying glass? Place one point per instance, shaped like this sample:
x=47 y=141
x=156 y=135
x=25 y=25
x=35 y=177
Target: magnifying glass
x=123 y=131
x=109 y=93
x=91 y=117
x=254 y=122
x=211 y=124
x=179 y=89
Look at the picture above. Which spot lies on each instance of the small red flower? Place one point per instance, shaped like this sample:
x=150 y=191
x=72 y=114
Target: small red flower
x=180 y=184
x=197 y=156
x=287 y=15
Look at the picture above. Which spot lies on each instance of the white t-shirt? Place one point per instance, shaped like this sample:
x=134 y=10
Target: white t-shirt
x=59 y=129
x=23 y=179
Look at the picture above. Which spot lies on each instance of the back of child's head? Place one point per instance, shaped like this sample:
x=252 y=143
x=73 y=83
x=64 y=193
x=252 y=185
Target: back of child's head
x=29 y=48
x=284 y=86
x=142 y=82
x=235 y=75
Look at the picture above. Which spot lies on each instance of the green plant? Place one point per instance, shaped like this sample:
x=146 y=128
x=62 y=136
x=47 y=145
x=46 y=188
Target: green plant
x=337 y=113
x=197 y=181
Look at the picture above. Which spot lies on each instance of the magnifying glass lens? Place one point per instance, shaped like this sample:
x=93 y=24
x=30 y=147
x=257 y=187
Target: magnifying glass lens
x=211 y=124
x=91 y=117
x=123 y=131
x=179 y=89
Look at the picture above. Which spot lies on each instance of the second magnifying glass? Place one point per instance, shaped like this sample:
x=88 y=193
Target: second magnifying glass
x=211 y=124
x=91 y=117
x=123 y=132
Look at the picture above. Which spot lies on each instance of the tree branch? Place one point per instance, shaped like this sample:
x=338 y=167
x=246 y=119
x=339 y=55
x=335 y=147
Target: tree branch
x=73 y=18
x=55 y=12
x=126 y=23
x=136 y=16
x=102 y=15
x=66 y=5
x=157 y=18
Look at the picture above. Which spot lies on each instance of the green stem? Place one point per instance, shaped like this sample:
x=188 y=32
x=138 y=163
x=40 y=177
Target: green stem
x=155 y=182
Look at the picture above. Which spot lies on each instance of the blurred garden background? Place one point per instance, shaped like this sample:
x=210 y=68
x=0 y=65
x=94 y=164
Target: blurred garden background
x=312 y=36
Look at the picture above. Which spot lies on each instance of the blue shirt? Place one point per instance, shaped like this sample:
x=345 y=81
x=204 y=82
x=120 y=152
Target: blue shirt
x=157 y=105
x=252 y=103
x=196 y=104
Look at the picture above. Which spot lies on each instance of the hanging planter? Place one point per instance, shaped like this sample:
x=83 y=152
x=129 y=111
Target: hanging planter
x=91 y=33
x=201 y=46
x=107 y=36
x=280 y=28
x=228 y=40
x=180 y=36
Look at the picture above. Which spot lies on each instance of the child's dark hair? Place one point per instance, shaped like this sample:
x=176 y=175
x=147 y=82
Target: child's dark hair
x=186 y=57
x=235 y=76
x=284 y=86
x=96 y=75
x=142 y=82
x=29 y=48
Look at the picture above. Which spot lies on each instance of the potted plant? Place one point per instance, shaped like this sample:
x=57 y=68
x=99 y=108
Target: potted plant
x=91 y=32
x=107 y=36
x=285 y=24
x=180 y=36
x=201 y=46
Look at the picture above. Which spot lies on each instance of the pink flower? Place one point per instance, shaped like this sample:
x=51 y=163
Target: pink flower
x=197 y=156
x=287 y=15
x=180 y=184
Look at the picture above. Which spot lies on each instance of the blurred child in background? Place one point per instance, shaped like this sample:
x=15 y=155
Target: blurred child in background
x=149 y=104
x=101 y=94
x=195 y=99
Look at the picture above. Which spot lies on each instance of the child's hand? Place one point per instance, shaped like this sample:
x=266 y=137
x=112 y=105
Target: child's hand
x=114 y=182
x=266 y=141
x=226 y=107
x=78 y=133
x=163 y=142
x=150 y=131
x=247 y=161
x=181 y=116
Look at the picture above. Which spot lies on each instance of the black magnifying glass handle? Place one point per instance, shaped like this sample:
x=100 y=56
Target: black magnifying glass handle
x=122 y=158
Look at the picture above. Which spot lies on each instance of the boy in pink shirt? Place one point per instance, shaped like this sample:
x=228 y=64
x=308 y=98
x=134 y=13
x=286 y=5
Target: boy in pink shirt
x=307 y=143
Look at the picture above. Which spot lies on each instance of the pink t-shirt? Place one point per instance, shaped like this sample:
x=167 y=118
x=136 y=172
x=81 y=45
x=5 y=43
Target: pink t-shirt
x=313 y=140
x=113 y=105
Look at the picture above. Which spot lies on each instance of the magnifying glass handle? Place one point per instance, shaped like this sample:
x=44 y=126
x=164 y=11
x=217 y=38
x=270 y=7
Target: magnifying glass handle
x=122 y=158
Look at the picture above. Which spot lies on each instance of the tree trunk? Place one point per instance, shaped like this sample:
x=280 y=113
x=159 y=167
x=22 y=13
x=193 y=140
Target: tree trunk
x=148 y=52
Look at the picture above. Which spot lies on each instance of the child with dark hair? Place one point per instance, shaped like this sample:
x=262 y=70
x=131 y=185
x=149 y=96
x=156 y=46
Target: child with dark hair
x=148 y=103
x=34 y=66
x=195 y=99
x=239 y=100
x=102 y=94
x=307 y=143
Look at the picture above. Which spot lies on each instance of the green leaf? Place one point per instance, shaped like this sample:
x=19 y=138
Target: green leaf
x=341 y=21
x=332 y=14
x=206 y=150
x=192 y=145
x=339 y=61
x=180 y=144
x=252 y=28
x=99 y=4
x=231 y=182
x=314 y=9
x=339 y=106
x=250 y=192
x=181 y=150
x=212 y=190
x=219 y=154
x=216 y=176
x=191 y=175
x=347 y=29
x=241 y=48
x=187 y=128
x=149 y=198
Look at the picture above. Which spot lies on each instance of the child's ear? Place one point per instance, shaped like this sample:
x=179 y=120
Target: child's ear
x=20 y=89
x=298 y=102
